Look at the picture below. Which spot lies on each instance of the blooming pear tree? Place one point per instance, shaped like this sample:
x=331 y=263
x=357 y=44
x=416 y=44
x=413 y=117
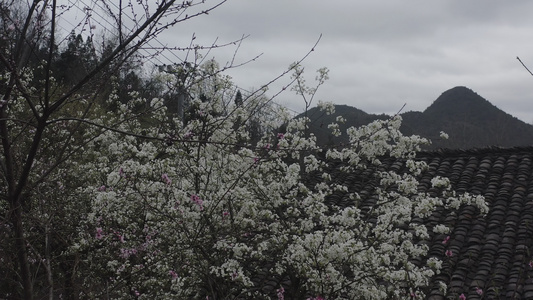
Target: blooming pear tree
x=206 y=215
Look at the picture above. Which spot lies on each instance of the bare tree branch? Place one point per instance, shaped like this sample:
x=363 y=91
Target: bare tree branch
x=524 y=65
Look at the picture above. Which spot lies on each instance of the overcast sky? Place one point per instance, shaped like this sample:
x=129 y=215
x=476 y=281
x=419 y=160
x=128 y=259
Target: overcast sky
x=381 y=54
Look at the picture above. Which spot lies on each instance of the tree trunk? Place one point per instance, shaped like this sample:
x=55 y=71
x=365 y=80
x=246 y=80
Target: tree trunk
x=22 y=250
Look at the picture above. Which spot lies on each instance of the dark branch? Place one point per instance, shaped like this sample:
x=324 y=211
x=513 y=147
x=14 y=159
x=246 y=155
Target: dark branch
x=524 y=65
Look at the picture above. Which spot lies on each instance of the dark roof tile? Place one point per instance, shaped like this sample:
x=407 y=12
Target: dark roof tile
x=493 y=252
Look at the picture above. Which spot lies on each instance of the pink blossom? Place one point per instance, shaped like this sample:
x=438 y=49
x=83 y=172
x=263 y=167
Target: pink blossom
x=137 y=293
x=225 y=214
x=280 y=293
x=102 y=188
x=99 y=233
x=11 y=27
x=445 y=241
x=166 y=179
x=449 y=253
x=173 y=274
x=234 y=275
x=462 y=297
x=120 y=236
x=198 y=201
x=531 y=264
x=281 y=136
x=121 y=172
x=125 y=253
x=479 y=291
x=188 y=135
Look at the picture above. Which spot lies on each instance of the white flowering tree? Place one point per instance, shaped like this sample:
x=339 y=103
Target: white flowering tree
x=132 y=203
x=46 y=120
x=206 y=215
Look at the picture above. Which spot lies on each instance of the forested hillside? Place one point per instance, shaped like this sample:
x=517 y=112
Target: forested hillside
x=469 y=120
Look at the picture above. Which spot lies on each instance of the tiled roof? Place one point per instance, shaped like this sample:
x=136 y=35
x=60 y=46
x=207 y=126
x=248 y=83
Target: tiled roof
x=492 y=253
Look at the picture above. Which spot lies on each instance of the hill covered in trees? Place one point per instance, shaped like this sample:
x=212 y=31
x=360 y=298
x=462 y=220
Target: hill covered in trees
x=470 y=121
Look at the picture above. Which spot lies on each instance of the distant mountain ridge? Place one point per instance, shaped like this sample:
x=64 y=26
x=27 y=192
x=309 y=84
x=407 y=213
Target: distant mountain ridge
x=470 y=121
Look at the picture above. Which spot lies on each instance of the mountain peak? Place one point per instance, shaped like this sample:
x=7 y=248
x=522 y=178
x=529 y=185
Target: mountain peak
x=460 y=92
x=460 y=89
x=469 y=119
x=459 y=99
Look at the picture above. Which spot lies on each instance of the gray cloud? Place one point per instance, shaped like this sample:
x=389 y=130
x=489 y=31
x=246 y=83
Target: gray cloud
x=381 y=54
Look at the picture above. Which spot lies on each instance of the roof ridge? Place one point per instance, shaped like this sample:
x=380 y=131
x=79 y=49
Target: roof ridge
x=441 y=152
